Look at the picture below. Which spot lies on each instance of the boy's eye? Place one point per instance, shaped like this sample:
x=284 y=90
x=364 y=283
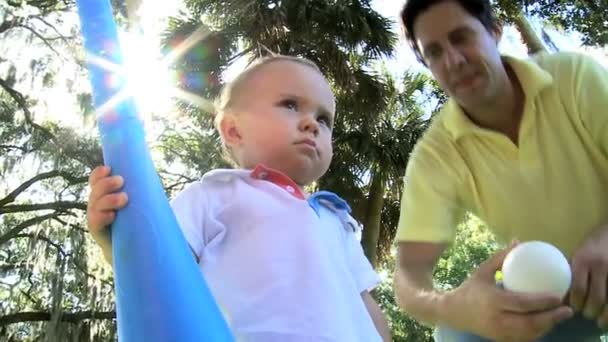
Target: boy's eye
x=324 y=119
x=289 y=104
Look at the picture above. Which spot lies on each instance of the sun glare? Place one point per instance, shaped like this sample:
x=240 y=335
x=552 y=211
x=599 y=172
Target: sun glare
x=146 y=71
x=148 y=78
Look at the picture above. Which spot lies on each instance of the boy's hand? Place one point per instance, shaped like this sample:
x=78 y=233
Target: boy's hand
x=104 y=200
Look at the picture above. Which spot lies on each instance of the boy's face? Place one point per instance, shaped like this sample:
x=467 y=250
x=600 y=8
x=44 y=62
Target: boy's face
x=283 y=118
x=460 y=52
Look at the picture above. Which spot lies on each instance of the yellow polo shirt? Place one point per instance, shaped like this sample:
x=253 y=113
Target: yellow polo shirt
x=552 y=186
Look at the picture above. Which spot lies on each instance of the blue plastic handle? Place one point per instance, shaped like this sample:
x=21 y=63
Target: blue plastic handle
x=161 y=294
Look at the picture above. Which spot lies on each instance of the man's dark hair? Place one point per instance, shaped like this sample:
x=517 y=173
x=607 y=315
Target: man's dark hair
x=480 y=9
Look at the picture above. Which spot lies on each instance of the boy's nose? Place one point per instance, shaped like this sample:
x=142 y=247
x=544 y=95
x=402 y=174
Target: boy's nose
x=309 y=124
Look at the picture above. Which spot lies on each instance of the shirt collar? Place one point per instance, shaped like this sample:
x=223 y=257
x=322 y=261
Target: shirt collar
x=316 y=200
x=277 y=177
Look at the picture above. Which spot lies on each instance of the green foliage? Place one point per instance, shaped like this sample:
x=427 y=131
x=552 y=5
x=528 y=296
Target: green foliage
x=474 y=243
x=589 y=18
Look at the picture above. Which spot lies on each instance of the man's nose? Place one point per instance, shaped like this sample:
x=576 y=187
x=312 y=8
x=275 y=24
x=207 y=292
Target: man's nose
x=453 y=58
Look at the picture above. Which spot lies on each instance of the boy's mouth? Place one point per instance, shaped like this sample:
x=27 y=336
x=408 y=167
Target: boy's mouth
x=308 y=142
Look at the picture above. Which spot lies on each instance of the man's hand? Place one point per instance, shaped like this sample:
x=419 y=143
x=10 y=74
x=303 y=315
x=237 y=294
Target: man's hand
x=589 y=277
x=481 y=307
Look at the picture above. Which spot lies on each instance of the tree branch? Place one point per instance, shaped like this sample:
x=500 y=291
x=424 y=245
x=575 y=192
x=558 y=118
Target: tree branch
x=60 y=35
x=9 y=24
x=71 y=317
x=58 y=206
x=41 y=37
x=45 y=239
x=51 y=174
x=21 y=101
x=6 y=267
x=14 y=147
x=73 y=226
x=63 y=253
x=5 y=26
x=25 y=224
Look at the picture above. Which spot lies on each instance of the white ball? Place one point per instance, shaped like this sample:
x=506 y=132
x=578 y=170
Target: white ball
x=536 y=267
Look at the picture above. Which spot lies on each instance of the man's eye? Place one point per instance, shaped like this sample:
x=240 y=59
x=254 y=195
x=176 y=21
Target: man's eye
x=459 y=38
x=432 y=53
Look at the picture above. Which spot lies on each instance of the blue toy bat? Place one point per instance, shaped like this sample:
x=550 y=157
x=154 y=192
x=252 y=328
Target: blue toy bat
x=160 y=293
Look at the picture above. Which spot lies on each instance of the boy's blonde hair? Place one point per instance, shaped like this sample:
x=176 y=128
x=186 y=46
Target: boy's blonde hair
x=230 y=91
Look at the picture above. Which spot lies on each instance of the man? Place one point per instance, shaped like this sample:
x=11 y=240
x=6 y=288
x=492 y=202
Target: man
x=522 y=144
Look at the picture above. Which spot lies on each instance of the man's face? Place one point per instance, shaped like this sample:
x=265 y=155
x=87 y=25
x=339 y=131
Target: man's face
x=461 y=53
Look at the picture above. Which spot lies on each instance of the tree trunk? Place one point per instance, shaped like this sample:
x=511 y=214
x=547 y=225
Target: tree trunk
x=371 y=223
x=528 y=35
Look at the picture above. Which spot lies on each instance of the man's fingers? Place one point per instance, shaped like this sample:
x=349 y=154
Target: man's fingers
x=580 y=284
x=596 y=297
x=602 y=320
x=528 y=302
x=546 y=320
x=489 y=267
x=98 y=173
x=533 y=325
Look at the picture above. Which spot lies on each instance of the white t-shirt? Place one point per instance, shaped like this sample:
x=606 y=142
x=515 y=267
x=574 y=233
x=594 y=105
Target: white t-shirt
x=281 y=267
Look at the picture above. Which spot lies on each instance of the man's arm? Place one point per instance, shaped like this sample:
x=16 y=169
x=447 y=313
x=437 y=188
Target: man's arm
x=377 y=315
x=477 y=305
x=414 y=280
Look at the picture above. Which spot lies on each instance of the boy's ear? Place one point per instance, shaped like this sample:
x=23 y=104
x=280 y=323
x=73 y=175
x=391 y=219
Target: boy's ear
x=229 y=130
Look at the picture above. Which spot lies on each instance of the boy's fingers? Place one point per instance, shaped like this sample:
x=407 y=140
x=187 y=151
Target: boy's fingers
x=105 y=218
x=111 y=202
x=98 y=173
x=105 y=186
x=100 y=220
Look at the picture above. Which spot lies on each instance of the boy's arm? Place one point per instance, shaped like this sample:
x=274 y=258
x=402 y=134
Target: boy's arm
x=377 y=315
x=105 y=244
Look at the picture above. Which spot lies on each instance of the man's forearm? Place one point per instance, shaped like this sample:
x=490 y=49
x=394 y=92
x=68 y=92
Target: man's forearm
x=416 y=296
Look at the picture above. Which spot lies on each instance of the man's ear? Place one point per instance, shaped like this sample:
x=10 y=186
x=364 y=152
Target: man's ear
x=229 y=130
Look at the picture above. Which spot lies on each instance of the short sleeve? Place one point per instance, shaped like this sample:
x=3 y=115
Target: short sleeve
x=430 y=209
x=590 y=81
x=363 y=272
x=190 y=207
